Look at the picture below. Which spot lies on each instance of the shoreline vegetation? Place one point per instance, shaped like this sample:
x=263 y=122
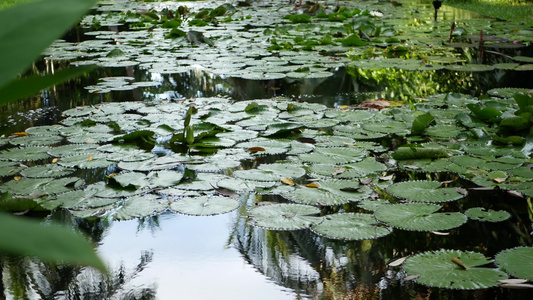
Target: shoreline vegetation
x=517 y=10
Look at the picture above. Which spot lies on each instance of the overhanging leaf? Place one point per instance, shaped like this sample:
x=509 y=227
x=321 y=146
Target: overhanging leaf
x=44 y=21
x=50 y=243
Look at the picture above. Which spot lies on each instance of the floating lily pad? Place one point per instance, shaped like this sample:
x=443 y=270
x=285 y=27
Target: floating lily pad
x=350 y=226
x=37 y=140
x=284 y=216
x=481 y=214
x=284 y=170
x=44 y=171
x=436 y=269
x=419 y=217
x=205 y=205
x=25 y=154
x=315 y=196
x=424 y=191
x=517 y=262
x=86 y=161
x=141 y=206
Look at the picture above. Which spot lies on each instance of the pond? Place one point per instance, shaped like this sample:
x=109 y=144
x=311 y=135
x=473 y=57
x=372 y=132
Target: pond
x=290 y=187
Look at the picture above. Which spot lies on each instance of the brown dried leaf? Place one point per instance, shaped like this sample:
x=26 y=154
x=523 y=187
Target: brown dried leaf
x=256 y=149
x=397 y=262
x=338 y=171
x=287 y=181
x=457 y=261
x=311 y=185
x=20 y=133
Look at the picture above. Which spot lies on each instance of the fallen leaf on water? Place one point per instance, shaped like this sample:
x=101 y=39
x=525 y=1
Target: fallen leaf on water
x=89 y=158
x=365 y=181
x=513 y=280
x=461 y=191
x=517 y=286
x=290 y=215
x=397 y=262
x=344 y=107
x=311 y=185
x=111 y=175
x=440 y=233
x=411 y=277
x=17 y=178
x=515 y=193
x=287 y=181
x=386 y=178
x=20 y=134
x=256 y=149
x=55 y=160
x=457 y=261
x=499 y=180
x=338 y=171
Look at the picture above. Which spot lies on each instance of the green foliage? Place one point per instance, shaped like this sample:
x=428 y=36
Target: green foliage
x=23 y=40
x=26 y=30
x=49 y=243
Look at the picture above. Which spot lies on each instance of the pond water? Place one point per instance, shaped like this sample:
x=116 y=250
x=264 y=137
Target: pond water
x=174 y=256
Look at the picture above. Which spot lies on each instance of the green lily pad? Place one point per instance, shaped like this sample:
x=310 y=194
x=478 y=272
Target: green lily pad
x=436 y=269
x=86 y=161
x=315 y=196
x=205 y=205
x=284 y=216
x=44 y=171
x=284 y=170
x=481 y=214
x=36 y=140
x=424 y=191
x=419 y=217
x=25 y=154
x=350 y=226
x=517 y=262
x=9 y=168
x=141 y=206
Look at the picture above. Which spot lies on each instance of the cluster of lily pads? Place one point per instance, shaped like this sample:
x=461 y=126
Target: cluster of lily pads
x=331 y=171
x=273 y=41
x=117 y=160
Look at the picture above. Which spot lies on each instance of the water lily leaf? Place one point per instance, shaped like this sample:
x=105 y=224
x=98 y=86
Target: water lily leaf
x=284 y=216
x=436 y=269
x=372 y=205
x=141 y=206
x=470 y=68
x=256 y=175
x=48 y=170
x=349 y=189
x=72 y=149
x=80 y=199
x=350 y=226
x=481 y=214
x=314 y=196
x=422 y=122
x=25 y=154
x=46 y=186
x=334 y=155
x=286 y=170
x=205 y=205
x=241 y=185
x=403 y=153
x=424 y=191
x=8 y=168
x=36 y=140
x=155 y=179
x=418 y=217
x=86 y=161
x=159 y=163
x=517 y=262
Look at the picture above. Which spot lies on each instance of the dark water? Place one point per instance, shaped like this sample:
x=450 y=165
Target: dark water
x=172 y=256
